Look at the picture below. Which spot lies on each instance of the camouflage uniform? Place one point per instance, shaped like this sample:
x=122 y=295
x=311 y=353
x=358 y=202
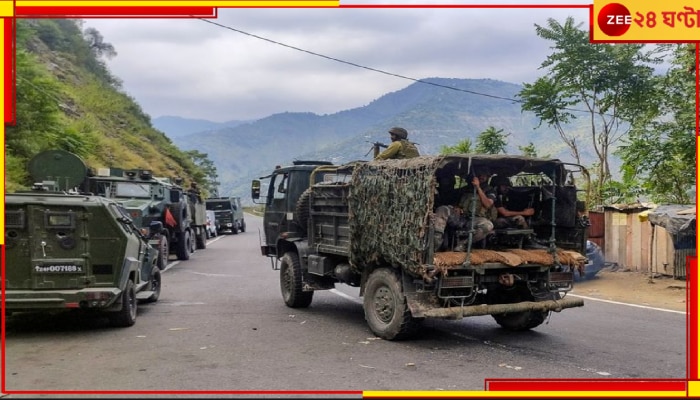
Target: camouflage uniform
x=398 y=150
x=400 y=147
x=448 y=218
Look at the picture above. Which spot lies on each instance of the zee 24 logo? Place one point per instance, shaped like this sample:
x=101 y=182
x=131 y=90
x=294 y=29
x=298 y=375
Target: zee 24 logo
x=615 y=19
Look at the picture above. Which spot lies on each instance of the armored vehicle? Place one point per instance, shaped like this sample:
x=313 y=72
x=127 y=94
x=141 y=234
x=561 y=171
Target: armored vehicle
x=75 y=251
x=147 y=198
x=229 y=213
x=374 y=225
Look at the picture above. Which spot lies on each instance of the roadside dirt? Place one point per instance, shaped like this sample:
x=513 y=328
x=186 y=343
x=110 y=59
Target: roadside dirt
x=633 y=287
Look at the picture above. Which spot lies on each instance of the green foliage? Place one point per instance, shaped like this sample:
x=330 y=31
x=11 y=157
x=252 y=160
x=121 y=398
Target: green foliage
x=207 y=176
x=463 y=147
x=660 y=151
x=529 y=150
x=492 y=141
x=611 y=84
x=77 y=106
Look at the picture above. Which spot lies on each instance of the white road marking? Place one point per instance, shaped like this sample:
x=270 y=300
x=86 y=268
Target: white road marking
x=345 y=295
x=626 y=304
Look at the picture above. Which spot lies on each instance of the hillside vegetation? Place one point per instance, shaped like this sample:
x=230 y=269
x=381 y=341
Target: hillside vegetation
x=67 y=99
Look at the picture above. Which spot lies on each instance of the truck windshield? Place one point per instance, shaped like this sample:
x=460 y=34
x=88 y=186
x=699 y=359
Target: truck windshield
x=129 y=189
x=218 y=205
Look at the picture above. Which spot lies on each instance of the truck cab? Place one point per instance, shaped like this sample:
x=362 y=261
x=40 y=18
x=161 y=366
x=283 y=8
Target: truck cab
x=282 y=219
x=228 y=212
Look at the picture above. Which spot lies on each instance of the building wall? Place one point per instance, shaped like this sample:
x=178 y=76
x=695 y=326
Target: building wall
x=637 y=245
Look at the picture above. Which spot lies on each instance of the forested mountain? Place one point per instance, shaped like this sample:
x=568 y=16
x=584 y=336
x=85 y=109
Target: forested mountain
x=67 y=99
x=437 y=112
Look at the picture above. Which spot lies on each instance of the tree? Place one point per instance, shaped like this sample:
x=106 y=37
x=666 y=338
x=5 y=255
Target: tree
x=610 y=84
x=491 y=141
x=463 y=147
x=659 y=156
x=207 y=176
x=97 y=44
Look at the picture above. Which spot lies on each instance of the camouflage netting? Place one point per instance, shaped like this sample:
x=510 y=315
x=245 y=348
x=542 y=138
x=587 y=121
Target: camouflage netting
x=390 y=204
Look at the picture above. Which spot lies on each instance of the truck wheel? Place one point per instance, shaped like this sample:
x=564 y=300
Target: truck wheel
x=201 y=238
x=126 y=316
x=163 y=251
x=242 y=226
x=301 y=212
x=526 y=320
x=193 y=245
x=290 y=282
x=234 y=228
x=386 y=310
x=154 y=286
x=184 y=245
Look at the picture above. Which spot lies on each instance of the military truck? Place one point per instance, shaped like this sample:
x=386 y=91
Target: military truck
x=229 y=213
x=372 y=225
x=148 y=198
x=68 y=250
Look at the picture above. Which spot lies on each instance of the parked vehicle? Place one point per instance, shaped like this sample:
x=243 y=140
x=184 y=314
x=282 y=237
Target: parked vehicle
x=75 y=251
x=372 y=225
x=229 y=213
x=212 y=225
x=146 y=198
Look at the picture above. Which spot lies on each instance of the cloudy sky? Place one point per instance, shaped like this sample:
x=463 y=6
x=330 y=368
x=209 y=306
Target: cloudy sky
x=251 y=63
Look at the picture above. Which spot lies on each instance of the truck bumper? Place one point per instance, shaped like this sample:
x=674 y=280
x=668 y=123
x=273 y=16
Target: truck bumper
x=28 y=300
x=420 y=311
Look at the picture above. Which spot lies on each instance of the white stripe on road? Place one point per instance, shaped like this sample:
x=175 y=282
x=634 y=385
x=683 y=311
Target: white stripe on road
x=626 y=304
x=345 y=295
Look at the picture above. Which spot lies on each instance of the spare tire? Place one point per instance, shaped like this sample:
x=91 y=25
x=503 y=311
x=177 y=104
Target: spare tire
x=301 y=212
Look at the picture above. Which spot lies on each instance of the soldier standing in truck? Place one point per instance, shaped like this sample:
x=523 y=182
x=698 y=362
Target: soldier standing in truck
x=400 y=147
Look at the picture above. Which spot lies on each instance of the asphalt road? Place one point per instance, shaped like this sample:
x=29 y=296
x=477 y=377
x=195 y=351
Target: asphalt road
x=221 y=325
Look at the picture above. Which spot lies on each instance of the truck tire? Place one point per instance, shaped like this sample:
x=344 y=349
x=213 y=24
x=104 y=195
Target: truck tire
x=234 y=228
x=201 y=237
x=184 y=245
x=126 y=316
x=163 y=250
x=526 y=320
x=386 y=310
x=290 y=282
x=301 y=211
x=242 y=225
x=154 y=286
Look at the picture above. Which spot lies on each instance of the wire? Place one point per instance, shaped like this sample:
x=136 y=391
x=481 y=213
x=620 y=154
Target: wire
x=358 y=65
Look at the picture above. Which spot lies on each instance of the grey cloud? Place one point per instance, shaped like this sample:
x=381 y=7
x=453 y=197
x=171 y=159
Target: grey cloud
x=194 y=69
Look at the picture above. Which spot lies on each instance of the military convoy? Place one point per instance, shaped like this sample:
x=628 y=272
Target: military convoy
x=73 y=250
x=372 y=225
x=147 y=198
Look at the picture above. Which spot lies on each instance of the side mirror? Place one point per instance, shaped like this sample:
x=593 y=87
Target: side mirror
x=255 y=189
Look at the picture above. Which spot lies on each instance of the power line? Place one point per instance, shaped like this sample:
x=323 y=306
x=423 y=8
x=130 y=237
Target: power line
x=358 y=65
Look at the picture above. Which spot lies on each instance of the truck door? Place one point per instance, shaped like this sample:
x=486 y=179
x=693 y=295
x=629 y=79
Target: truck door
x=276 y=208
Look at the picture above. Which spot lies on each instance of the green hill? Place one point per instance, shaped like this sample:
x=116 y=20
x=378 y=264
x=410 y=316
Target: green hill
x=67 y=99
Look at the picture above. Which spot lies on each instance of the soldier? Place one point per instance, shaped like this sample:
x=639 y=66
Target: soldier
x=508 y=218
x=459 y=218
x=400 y=147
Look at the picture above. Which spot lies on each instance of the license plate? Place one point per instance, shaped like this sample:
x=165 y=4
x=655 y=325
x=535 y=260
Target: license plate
x=58 y=268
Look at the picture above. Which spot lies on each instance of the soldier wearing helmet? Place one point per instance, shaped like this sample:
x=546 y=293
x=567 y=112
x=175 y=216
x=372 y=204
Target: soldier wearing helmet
x=400 y=147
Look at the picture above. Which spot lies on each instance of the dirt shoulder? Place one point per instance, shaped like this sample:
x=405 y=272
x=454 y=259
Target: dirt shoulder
x=633 y=287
